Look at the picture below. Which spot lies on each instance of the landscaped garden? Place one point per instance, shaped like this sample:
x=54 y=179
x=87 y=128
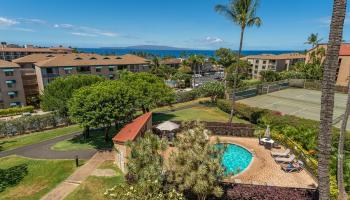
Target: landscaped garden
x=39 y=177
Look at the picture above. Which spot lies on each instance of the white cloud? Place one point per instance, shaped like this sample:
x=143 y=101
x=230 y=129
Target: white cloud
x=213 y=40
x=83 y=34
x=85 y=31
x=24 y=29
x=32 y=21
x=326 y=21
x=7 y=22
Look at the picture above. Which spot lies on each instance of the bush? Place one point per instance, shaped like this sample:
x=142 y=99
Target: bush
x=26 y=124
x=15 y=111
x=12 y=176
x=186 y=96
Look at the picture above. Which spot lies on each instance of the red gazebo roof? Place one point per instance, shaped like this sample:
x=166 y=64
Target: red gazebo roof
x=132 y=130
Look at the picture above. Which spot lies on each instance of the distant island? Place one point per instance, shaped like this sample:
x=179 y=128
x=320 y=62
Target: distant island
x=147 y=47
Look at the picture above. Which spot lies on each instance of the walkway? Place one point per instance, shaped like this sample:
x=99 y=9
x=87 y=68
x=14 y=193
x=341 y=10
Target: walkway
x=42 y=150
x=73 y=181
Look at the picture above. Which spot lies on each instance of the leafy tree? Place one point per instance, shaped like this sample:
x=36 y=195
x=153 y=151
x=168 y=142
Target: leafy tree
x=269 y=76
x=327 y=99
x=184 y=68
x=226 y=58
x=243 y=14
x=145 y=161
x=313 y=39
x=182 y=78
x=57 y=93
x=150 y=90
x=163 y=71
x=102 y=104
x=196 y=164
x=213 y=89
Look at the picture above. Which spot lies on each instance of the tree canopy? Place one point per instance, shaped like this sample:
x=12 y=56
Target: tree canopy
x=57 y=93
x=150 y=90
x=212 y=89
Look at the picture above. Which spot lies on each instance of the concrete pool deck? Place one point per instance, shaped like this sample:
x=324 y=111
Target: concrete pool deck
x=263 y=170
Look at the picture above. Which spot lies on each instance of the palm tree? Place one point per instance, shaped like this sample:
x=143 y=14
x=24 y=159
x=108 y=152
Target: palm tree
x=313 y=39
x=340 y=164
x=327 y=98
x=243 y=14
x=196 y=62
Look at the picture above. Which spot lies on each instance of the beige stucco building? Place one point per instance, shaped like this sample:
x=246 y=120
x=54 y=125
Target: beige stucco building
x=11 y=87
x=343 y=68
x=272 y=62
x=11 y=53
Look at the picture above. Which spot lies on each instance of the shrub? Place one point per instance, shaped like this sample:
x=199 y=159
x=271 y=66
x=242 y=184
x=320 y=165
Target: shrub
x=186 y=96
x=15 y=111
x=12 y=176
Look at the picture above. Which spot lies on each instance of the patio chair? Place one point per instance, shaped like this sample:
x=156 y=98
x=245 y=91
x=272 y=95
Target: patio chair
x=292 y=167
x=280 y=154
x=285 y=160
x=261 y=142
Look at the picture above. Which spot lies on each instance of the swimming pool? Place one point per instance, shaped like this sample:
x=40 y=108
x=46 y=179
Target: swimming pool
x=236 y=158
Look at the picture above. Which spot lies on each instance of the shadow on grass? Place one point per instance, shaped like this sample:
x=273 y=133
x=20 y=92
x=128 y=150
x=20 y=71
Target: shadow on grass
x=96 y=139
x=161 y=117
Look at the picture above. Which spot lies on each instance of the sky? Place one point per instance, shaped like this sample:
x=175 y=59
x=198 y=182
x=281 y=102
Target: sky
x=179 y=23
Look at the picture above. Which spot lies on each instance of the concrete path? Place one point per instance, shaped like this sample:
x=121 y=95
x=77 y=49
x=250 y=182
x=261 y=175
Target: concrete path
x=73 y=181
x=42 y=150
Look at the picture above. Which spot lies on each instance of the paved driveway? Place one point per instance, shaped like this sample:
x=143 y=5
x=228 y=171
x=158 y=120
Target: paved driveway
x=42 y=150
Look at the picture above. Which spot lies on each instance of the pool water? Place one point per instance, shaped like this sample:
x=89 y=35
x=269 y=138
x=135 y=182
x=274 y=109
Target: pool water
x=235 y=159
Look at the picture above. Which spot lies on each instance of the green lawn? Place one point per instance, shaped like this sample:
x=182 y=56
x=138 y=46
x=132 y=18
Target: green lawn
x=179 y=105
x=43 y=176
x=94 y=187
x=95 y=141
x=199 y=112
x=32 y=138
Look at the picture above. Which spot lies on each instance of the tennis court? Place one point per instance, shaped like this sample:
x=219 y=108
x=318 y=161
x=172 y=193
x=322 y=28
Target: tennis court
x=300 y=102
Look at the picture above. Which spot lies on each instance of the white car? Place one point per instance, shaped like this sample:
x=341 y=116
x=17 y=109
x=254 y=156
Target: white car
x=196 y=76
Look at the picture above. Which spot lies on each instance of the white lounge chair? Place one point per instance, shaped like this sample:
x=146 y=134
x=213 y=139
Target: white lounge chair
x=285 y=160
x=280 y=154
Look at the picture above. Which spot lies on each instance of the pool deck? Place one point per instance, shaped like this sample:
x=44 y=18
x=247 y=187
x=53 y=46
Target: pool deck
x=263 y=170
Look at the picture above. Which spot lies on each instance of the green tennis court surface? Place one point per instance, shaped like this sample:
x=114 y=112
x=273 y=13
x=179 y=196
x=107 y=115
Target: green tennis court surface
x=300 y=102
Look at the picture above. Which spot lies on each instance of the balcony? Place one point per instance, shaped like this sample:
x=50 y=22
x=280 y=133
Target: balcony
x=30 y=82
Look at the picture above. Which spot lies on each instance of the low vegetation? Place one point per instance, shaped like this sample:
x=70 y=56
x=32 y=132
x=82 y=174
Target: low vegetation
x=15 y=111
x=43 y=175
x=24 y=140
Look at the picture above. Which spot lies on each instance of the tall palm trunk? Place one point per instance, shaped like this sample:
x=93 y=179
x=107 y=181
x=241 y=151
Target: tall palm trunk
x=327 y=98
x=340 y=164
x=236 y=75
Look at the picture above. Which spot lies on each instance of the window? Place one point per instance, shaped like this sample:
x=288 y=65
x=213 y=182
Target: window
x=10 y=83
x=339 y=61
x=263 y=67
x=111 y=68
x=13 y=104
x=83 y=69
x=264 y=61
x=12 y=94
x=98 y=69
x=68 y=70
x=49 y=70
x=8 y=72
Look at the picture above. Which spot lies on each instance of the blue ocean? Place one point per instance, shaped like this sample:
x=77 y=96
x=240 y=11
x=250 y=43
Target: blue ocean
x=174 y=53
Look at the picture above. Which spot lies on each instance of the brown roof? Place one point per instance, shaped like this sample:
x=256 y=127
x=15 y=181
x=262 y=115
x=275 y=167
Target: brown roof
x=285 y=56
x=130 y=131
x=170 y=61
x=33 y=58
x=87 y=59
x=7 y=64
x=35 y=50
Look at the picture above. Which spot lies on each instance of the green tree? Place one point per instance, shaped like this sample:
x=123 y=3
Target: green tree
x=243 y=14
x=212 y=89
x=145 y=161
x=102 y=104
x=269 y=76
x=327 y=99
x=313 y=39
x=163 y=71
x=185 y=68
x=196 y=164
x=226 y=58
x=183 y=79
x=151 y=90
x=58 y=92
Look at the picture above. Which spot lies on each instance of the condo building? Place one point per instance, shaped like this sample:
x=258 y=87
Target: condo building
x=343 y=68
x=11 y=53
x=272 y=62
x=11 y=87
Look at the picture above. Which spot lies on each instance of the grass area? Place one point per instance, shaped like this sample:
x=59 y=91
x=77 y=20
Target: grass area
x=179 y=105
x=199 y=112
x=94 y=187
x=95 y=141
x=43 y=176
x=32 y=138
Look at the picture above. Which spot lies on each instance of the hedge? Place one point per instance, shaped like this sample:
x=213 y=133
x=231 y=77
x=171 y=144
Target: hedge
x=15 y=111
x=186 y=96
x=26 y=124
x=12 y=176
